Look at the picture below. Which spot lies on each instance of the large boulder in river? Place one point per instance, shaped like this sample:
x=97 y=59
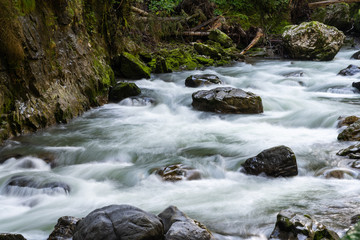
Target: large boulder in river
x=123 y=90
x=312 y=41
x=129 y=66
x=227 y=100
x=220 y=37
x=337 y=15
x=346 y=121
x=278 y=161
x=201 y=80
x=64 y=229
x=350 y=70
x=351 y=133
x=123 y=222
x=178 y=226
x=297 y=227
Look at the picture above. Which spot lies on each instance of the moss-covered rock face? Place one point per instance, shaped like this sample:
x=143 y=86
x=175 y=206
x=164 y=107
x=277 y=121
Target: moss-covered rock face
x=131 y=67
x=337 y=15
x=295 y=226
x=204 y=49
x=312 y=41
x=220 y=37
x=351 y=133
x=123 y=90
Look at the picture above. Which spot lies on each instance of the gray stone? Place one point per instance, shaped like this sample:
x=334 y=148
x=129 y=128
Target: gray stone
x=312 y=41
x=123 y=90
x=64 y=229
x=351 y=133
x=201 y=80
x=350 y=70
x=227 y=100
x=123 y=222
x=178 y=172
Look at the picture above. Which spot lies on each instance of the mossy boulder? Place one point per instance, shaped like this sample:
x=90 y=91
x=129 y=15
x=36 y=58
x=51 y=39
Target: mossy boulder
x=337 y=15
x=312 y=41
x=123 y=90
x=353 y=233
x=351 y=133
x=178 y=172
x=346 y=121
x=9 y=236
x=131 y=67
x=204 y=49
x=220 y=37
x=227 y=100
x=290 y=225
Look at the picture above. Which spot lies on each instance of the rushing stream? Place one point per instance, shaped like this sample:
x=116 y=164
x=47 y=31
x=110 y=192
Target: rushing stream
x=108 y=156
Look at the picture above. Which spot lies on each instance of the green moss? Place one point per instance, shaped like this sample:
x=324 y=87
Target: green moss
x=205 y=61
x=220 y=37
x=105 y=73
x=131 y=67
x=207 y=50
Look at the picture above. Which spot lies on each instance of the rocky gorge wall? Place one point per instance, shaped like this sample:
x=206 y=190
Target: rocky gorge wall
x=52 y=64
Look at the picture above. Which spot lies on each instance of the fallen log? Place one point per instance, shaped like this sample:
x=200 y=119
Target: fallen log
x=198 y=34
x=329 y=2
x=258 y=36
x=205 y=23
x=139 y=11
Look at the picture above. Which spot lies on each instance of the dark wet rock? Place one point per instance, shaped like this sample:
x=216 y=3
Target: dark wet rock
x=207 y=50
x=312 y=41
x=64 y=229
x=129 y=66
x=346 y=121
x=355 y=219
x=178 y=226
x=295 y=226
x=123 y=222
x=356 y=164
x=178 y=172
x=351 y=133
x=227 y=100
x=8 y=236
x=352 y=152
x=278 y=161
x=356 y=55
x=123 y=90
x=30 y=185
x=356 y=85
x=201 y=80
x=5 y=157
x=350 y=70
x=137 y=101
x=220 y=37
x=162 y=65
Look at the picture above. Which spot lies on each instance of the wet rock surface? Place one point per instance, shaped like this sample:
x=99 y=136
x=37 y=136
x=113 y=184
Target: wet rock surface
x=178 y=226
x=295 y=226
x=351 y=133
x=119 y=222
x=123 y=90
x=346 y=121
x=178 y=172
x=278 y=161
x=129 y=66
x=64 y=229
x=202 y=80
x=350 y=70
x=227 y=100
x=8 y=236
x=312 y=41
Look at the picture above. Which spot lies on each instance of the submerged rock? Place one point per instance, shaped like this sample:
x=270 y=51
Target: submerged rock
x=346 y=121
x=351 y=133
x=339 y=173
x=350 y=70
x=227 y=100
x=356 y=85
x=178 y=226
x=119 y=222
x=130 y=66
x=312 y=41
x=137 y=101
x=123 y=90
x=295 y=226
x=201 y=80
x=356 y=55
x=64 y=229
x=30 y=185
x=220 y=37
x=9 y=236
x=278 y=161
x=178 y=172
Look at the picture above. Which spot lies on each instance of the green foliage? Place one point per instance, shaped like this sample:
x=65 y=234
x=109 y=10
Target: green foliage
x=163 y=7
x=25 y=6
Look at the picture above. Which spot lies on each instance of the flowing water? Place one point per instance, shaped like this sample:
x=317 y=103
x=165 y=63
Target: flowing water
x=108 y=156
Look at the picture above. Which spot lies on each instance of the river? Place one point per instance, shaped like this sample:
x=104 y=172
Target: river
x=108 y=156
